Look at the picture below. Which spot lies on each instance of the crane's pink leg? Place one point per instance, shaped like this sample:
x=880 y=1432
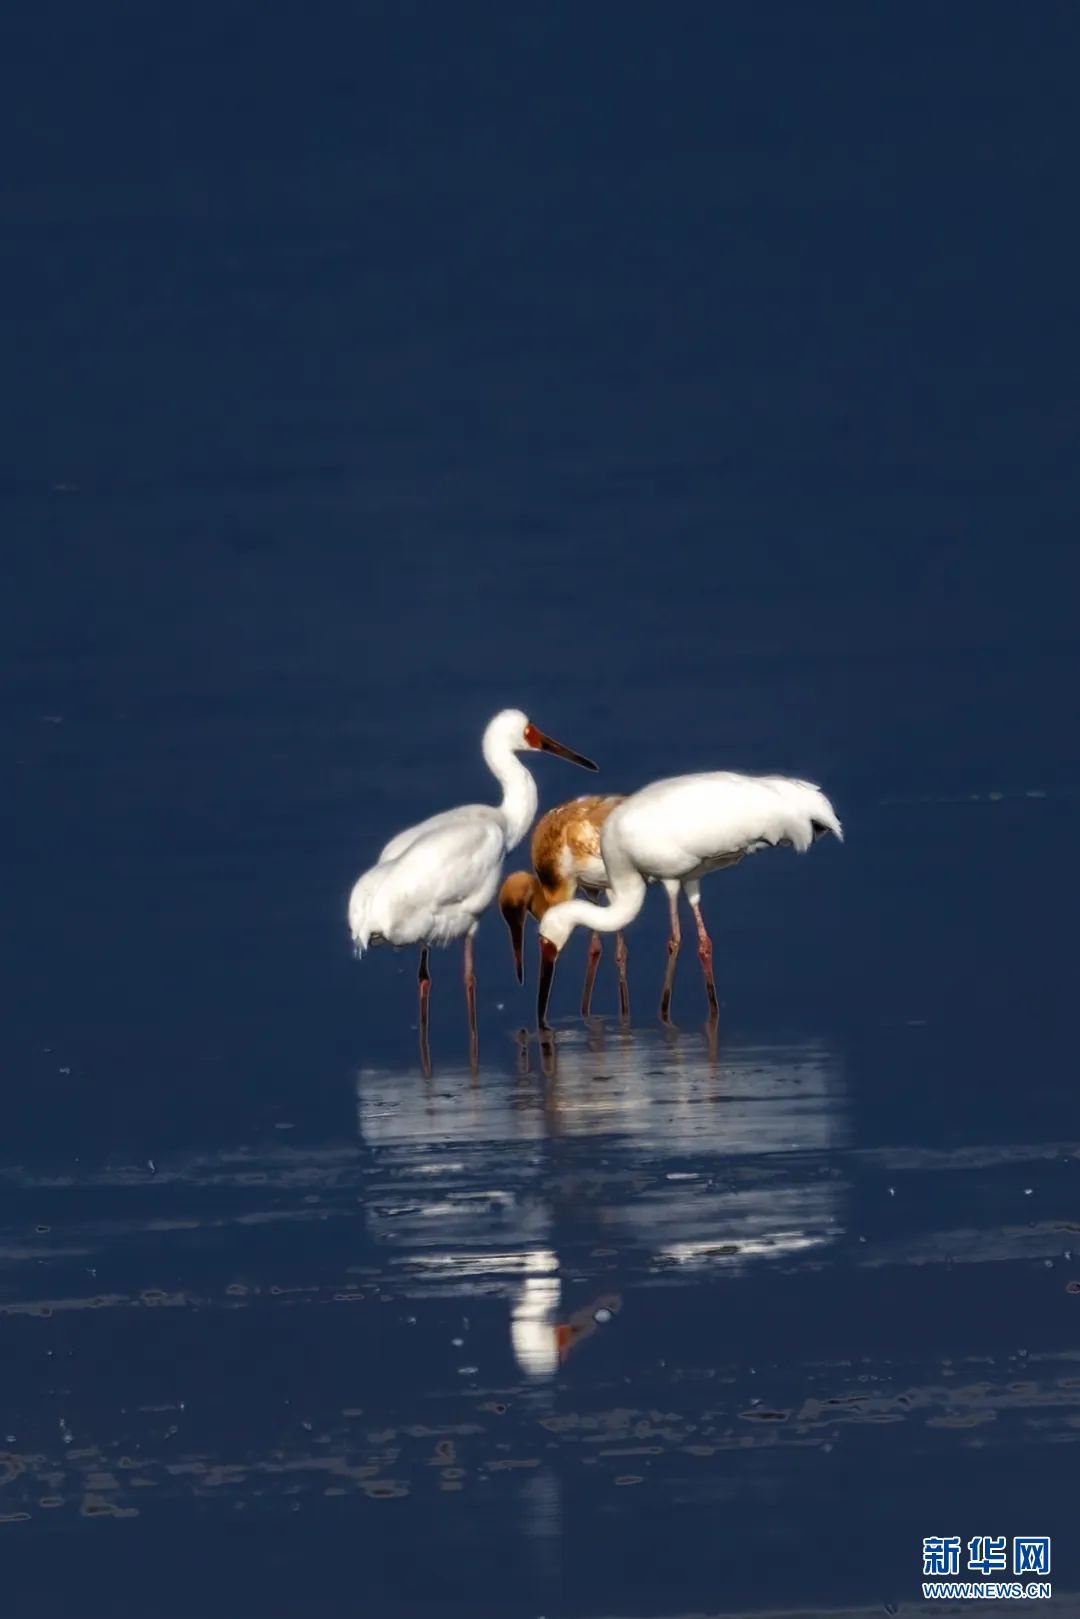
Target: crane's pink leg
x=674 y=940
x=470 y=1001
x=423 y=978
x=621 y=954
x=595 y=951
x=705 y=955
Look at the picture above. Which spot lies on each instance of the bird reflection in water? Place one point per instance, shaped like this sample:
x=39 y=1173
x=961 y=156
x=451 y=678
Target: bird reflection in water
x=642 y=1164
x=596 y=1035
x=532 y=1323
x=540 y=1341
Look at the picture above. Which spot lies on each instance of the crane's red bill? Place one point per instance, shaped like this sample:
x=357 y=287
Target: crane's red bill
x=548 y=744
x=549 y=954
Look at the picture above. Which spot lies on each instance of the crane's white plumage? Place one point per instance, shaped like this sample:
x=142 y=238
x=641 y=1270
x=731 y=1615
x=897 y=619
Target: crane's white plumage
x=688 y=826
x=436 y=888
x=434 y=823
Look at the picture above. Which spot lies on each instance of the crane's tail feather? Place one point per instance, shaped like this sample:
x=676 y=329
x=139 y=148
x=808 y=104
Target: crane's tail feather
x=823 y=818
x=807 y=799
x=363 y=923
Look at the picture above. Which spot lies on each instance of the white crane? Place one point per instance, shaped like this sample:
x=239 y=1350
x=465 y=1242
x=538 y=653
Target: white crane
x=433 y=880
x=677 y=831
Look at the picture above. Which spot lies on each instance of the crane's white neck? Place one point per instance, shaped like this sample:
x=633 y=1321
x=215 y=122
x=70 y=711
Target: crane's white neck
x=519 y=801
x=625 y=899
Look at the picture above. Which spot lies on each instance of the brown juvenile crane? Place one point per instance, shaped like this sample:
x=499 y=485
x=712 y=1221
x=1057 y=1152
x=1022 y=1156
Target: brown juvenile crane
x=566 y=856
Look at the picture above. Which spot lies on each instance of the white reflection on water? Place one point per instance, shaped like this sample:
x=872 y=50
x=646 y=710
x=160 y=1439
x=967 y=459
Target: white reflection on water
x=640 y=1147
x=532 y=1323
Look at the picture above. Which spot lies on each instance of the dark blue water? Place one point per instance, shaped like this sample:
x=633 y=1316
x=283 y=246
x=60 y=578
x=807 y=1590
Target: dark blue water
x=703 y=383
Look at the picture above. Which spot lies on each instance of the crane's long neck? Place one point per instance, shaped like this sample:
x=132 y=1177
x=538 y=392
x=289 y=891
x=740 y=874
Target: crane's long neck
x=625 y=899
x=519 y=800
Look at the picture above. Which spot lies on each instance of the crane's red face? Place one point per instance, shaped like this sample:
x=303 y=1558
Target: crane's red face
x=584 y=1322
x=547 y=744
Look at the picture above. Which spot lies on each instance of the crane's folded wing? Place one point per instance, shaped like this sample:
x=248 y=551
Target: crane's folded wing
x=398 y=845
x=434 y=891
